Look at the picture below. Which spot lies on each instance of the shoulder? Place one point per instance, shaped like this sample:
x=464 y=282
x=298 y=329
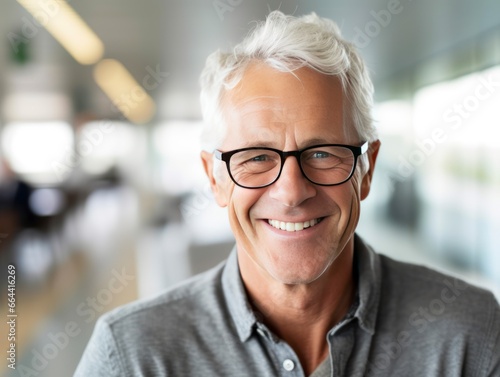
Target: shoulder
x=188 y=301
x=438 y=306
x=427 y=315
x=404 y=290
x=163 y=335
x=415 y=283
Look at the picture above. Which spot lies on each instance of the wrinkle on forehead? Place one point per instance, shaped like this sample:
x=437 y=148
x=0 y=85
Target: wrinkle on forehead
x=260 y=81
x=267 y=101
x=274 y=106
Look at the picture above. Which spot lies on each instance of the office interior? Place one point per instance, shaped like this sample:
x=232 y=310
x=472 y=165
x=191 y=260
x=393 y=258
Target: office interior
x=103 y=198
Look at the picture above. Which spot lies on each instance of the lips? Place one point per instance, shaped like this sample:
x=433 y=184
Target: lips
x=293 y=227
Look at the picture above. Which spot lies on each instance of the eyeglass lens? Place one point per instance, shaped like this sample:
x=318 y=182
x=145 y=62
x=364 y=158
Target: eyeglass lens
x=327 y=165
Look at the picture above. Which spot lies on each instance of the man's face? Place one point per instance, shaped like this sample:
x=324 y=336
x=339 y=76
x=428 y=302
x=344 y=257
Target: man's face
x=288 y=112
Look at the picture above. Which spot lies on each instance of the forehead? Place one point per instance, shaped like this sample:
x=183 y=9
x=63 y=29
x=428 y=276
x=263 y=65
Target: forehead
x=273 y=107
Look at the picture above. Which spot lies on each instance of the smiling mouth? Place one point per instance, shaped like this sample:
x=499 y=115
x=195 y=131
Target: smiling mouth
x=294 y=227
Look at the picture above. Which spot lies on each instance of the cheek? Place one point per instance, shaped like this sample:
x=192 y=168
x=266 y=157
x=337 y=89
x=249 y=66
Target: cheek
x=356 y=180
x=347 y=200
x=240 y=203
x=343 y=196
x=355 y=204
x=353 y=189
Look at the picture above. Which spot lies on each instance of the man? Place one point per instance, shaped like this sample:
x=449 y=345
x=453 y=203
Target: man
x=290 y=151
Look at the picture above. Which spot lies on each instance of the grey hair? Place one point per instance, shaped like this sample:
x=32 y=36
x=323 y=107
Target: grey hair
x=287 y=43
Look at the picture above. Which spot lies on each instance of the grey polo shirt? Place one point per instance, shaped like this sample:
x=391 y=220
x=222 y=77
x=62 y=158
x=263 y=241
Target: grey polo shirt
x=406 y=321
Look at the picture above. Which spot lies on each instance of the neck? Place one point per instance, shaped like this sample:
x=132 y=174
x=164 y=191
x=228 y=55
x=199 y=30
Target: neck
x=302 y=314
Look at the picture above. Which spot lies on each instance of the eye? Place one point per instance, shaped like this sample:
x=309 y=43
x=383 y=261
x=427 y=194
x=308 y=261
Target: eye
x=321 y=154
x=260 y=158
x=255 y=157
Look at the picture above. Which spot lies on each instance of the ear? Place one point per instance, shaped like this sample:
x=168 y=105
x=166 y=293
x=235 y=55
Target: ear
x=367 y=178
x=217 y=189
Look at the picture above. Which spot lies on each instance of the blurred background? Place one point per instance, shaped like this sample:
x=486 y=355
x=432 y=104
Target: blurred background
x=102 y=195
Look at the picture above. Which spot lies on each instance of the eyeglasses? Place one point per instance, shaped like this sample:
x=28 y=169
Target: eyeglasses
x=324 y=165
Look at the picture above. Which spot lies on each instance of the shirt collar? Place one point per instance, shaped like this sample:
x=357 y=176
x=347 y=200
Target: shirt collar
x=369 y=283
x=236 y=298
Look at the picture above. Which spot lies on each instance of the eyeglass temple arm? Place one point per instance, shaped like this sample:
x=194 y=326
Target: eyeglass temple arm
x=364 y=147
x=217 y=154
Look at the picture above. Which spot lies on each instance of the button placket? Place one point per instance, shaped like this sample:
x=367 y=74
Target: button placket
x=284 y=355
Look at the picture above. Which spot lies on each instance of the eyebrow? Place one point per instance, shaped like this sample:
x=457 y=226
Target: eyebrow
x=258 y=144
x=306 y=144
x=318 y=141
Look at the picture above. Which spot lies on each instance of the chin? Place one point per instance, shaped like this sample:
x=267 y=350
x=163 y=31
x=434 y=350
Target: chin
x=295 y=275
x=296 y=280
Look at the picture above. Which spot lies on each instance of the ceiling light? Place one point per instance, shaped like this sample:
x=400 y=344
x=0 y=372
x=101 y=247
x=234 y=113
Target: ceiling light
x=124 y=91
x=67 y=27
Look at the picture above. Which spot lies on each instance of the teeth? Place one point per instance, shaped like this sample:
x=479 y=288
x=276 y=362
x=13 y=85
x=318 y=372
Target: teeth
x=293 y=227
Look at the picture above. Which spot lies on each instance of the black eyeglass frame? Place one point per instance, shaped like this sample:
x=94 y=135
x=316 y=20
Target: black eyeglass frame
x=226 y=157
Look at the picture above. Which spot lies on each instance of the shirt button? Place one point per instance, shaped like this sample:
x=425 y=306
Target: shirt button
x=288 y=365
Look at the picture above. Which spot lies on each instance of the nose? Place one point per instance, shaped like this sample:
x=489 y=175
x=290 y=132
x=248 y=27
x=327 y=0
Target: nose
x=292 y=188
